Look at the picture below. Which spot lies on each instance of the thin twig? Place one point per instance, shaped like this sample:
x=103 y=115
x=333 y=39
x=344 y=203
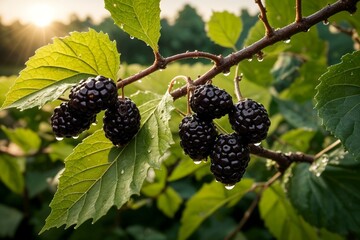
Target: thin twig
x=263 y=17
x=298 y=17
x=253 y=205
x=328 y=148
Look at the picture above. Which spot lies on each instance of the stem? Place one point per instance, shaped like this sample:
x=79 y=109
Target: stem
x=298 y=17
x=263 y=17
x=237 y=80
x=328 y=148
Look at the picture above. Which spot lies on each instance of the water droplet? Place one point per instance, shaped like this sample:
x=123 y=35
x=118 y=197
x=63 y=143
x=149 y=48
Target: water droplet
x=197 y=162
x=152 y=137
x=122 y=26
x=161 y=70
x=59 y=138
x=306 y=30
x=260 y=58
x=131 y=37
x=351 y=74
x=250 y=59
x=287 y=40
x=139 y=81
x=114 y=4
x=94 y=123
x=257 y=144
x=122 y=171
x=149 y=151
x=75 y=137
x=216 y=180
x=226 y=73
x=326 y=22
x=229 y=187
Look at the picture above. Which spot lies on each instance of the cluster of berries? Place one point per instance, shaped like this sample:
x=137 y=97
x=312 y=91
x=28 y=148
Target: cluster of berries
x=229 y=153
x=88 y=98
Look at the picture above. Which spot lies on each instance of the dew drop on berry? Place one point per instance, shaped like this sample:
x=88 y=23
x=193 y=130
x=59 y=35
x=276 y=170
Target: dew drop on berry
x=75 y=137
x=94 y=123
x=197 y=162
x=229 y=187
x=131 y=37
x=257 y=144
x=59 y=138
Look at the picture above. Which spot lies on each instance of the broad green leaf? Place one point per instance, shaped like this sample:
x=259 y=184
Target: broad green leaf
x=206 y=201
x=11 y=174
x=98 y=175
x=10 y=219
x=224 y=28
x=5 y=83
x=57 y=66
x=280 y=217
x=26 y=139
x=295 y=140
x=338 y=101
x=139 y=18
x=185 y=168
x=326 y=193
x=169 y=202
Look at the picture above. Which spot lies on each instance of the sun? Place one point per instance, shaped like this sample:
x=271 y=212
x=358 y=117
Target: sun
x=41 y=14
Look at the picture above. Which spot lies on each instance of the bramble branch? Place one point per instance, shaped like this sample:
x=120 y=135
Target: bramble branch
x=298 y=15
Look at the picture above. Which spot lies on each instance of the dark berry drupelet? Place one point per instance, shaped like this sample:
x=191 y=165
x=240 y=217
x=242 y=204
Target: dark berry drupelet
x=210 y=102
x=197 y=137
x=92 y=95
x=121 y=122
x=68 y=123
x=250 y=120
x=229 y=159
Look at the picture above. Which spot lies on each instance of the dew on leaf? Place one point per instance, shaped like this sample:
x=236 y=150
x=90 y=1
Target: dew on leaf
x=197 y=162
x=59 y=138
x=75 y=137
x=287 y=40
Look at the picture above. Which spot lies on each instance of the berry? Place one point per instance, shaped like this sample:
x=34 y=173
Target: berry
x=210 y=102
x=68 y=123
x=92 y=95
x=197 y=137
x=250 y=120
x=229 y=158
x=121 y=121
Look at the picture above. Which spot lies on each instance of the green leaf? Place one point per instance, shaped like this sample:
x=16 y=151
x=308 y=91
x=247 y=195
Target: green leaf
x=327 y=193
x=185 y=168
x=295 y=140
x=156 y=182
x=26 y=139
x=139 y=18
x=57 y=66
x=5 y=83
x=338 y=101
x=10 y=219
x=280 y=217
x=169 y=202
x=206 y=201
x=98 y=175
x=11 y=174
x=224 y=28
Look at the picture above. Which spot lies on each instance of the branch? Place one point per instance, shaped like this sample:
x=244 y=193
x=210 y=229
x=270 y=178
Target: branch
x=253 y=205
x=282 y=159
x=278 y=35
x=161 y=63
x=263 y=18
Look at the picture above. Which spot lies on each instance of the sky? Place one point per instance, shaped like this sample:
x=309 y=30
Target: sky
x=47 y=10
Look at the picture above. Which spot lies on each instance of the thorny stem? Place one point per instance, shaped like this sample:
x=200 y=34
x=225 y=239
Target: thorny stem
x=253 y=205
x=298 y=17
x=263 y=17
